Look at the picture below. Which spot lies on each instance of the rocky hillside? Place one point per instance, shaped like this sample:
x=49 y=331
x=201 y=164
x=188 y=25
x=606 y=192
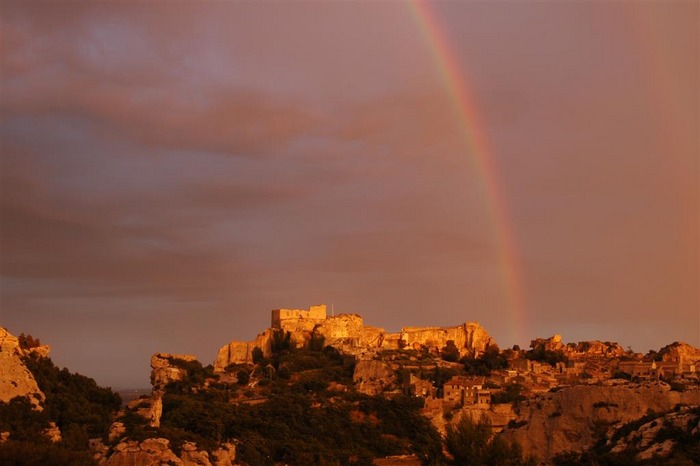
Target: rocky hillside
x=48 y=415
x=574 y=418
x=16 y=379
x=314 y=389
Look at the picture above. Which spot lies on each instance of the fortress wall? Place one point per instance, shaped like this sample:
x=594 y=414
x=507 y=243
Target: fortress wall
x=315 y=313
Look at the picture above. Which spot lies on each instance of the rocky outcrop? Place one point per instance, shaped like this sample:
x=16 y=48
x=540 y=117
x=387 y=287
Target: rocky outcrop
x=53 y=433
x=682 y=353
x=570 y=419
x=240 y=352
x=164 y=370
x=470 y=338
x=225 y=455
x=150 y=408
x=373 y=376
x=157 y=452
x=651 y=439
x=298 y=322
x=582 y=349
x=150 y=452
x=349 y=334
x=16 y=379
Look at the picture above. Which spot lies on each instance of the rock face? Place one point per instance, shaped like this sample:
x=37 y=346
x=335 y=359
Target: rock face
x=470 y=338
x=568 y=419
x=163 y=371
x=650 y=440
x=149 y=408
x=16 y=379
x=582 y=349
x=372 y=376
x=349 y=334
x=240 y=352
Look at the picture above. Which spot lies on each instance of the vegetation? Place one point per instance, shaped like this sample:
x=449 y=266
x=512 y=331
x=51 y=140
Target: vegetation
x=194 y=376
x=27 y=341
x=511 y=394
x=300 y=428
x=300 y=421
x=472 y=443
x=78 y=407
x=539 y=353
x=450 y=352
x=491 y=360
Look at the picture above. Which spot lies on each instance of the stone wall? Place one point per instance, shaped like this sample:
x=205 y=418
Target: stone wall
x=314 y=314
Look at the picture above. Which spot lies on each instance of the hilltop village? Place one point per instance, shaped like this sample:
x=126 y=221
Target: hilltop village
x=383 y=398
x=547 y=364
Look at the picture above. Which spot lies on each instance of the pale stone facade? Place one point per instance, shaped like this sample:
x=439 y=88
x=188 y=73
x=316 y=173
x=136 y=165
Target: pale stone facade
x=349 y=334
x=467 y=391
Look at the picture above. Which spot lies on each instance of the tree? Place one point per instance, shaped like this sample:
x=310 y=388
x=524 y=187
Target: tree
x=473 y=443
x=450 y=352
x=258 y=356
x=243 y=377
x=281 y=341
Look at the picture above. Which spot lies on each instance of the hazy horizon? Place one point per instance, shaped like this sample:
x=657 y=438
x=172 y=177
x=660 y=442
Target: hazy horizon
x=171 y=173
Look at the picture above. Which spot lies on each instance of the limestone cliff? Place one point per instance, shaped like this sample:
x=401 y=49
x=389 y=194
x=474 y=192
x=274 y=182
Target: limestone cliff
x=571 y=419
x=470 y=338
x=240 y=352
x=16 y=380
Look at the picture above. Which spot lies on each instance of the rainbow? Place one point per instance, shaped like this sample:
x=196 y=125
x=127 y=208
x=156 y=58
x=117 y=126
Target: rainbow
x=475 y=136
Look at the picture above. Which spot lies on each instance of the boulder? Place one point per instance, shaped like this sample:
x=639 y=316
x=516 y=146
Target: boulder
x=225 y=455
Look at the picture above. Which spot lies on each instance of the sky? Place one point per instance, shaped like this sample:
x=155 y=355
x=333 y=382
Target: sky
x=170 y=173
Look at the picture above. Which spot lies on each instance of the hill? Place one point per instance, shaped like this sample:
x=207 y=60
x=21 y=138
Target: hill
x=314 y=389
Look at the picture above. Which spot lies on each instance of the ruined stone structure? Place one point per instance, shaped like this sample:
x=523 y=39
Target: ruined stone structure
x=349 y=334
x=282 y=318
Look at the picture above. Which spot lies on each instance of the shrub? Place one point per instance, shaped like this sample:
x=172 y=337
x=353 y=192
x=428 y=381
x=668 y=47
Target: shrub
x=450 y=352
x=511 y=394
x=472 y=443
x=258 y=357
x=243 y=377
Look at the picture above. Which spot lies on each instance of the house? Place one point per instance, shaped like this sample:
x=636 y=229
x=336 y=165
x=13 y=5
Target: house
x=466 y=391
x=414 y=386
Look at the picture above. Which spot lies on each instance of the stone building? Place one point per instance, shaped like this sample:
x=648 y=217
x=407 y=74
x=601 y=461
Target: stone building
x=414 y=386
x=466 y=391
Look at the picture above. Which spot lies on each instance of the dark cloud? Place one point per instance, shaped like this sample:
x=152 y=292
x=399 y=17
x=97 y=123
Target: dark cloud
x=171 y=173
